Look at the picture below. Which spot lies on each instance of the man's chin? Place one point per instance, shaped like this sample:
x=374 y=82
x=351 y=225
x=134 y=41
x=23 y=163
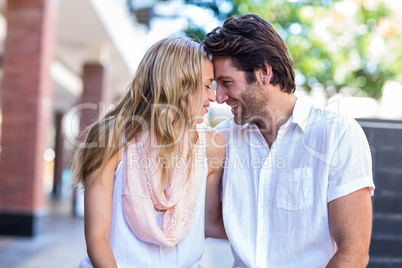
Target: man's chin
x=239 y=121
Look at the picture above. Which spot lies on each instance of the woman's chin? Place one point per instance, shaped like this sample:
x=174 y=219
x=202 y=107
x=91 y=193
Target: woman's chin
x=199 y=118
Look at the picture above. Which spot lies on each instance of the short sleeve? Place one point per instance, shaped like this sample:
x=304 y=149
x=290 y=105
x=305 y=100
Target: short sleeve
x=351 y=164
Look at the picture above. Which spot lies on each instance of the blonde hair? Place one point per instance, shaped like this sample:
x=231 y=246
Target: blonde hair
x=168 y=77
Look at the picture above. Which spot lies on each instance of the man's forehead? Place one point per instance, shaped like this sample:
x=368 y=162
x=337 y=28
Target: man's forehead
x=225 y=67
x=225 y=60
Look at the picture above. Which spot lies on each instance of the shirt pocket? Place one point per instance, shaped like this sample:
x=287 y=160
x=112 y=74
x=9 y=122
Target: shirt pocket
x=294 y=188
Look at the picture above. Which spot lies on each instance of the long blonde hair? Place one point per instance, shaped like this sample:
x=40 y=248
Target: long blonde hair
x=168 y=77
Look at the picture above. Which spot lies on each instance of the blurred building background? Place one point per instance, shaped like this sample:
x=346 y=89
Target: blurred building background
x=64 y=62
x=55 y=56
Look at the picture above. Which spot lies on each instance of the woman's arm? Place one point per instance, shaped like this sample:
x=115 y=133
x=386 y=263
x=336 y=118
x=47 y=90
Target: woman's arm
x=98 y=214
x=216 y=150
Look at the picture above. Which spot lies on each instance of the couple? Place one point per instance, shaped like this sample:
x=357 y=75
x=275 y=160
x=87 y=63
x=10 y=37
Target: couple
x=295 y=181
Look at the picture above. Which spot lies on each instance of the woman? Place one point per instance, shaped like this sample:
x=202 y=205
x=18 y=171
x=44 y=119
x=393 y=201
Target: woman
x=145 y=190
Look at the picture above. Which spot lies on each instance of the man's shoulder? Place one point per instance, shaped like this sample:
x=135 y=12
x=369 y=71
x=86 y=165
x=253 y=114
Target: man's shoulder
x=229 y=123
x=226 y=127
x=327 y=119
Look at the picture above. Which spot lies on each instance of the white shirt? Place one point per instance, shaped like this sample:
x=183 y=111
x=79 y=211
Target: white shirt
x=129 y=251
x=274 y=200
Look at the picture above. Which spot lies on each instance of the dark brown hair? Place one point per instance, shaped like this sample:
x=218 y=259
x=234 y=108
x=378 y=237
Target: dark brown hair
x=252 y=42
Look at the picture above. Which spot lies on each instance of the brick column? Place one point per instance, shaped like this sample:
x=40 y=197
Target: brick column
x=95 y=92
x=27 y=114
x=95 y=97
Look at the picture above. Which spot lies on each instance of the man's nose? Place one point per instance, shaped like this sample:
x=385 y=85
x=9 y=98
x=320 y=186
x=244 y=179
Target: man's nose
x=221 y=95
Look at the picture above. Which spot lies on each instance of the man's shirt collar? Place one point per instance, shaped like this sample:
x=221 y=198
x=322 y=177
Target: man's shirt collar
x=300 y=114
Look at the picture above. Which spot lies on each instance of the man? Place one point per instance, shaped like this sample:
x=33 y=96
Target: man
x=297 y=184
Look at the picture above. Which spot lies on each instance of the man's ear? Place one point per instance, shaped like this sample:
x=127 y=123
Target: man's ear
x=266 y=74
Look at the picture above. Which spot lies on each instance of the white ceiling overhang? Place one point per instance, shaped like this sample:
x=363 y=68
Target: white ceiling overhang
x=88 y=31
x=87 y=26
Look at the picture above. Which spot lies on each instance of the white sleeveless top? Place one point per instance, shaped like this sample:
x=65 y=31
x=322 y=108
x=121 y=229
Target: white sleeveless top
x=129 y=251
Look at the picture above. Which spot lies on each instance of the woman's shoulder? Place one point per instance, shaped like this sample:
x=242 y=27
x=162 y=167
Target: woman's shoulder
x=215 y=142
x=212 y=134
x=113 y=163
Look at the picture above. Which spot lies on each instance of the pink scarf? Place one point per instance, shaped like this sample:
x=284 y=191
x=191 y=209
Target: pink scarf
x=142 y=198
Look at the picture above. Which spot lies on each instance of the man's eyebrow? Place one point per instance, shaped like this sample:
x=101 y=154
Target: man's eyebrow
x=222 y=77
